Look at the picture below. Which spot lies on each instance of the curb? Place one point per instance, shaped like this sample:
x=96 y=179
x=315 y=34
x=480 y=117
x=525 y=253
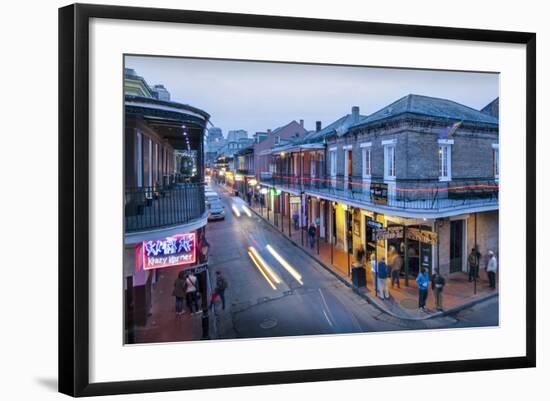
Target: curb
x=375 y=302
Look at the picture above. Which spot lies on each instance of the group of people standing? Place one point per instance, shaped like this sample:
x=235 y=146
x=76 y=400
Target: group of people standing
x=491 y=266
x=382 y=271
x=186 y=288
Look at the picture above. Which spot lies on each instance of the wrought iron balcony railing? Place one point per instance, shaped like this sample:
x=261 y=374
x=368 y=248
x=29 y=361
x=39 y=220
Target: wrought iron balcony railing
x=404 y=194
x=149 y=208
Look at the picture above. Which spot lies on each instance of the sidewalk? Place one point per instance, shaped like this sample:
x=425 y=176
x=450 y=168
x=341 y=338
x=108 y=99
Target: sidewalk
x=458 y=293
x=163 y=325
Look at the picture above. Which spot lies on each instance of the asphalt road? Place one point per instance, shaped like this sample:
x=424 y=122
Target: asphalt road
x=319 y=304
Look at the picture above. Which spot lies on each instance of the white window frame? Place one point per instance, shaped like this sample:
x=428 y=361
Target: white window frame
x=157 y=164
x=366 y=150
x=389 y=159
x=346 y=149
x=139 y=159
x=150 y=162
x=444 y=157
x=333 y=165
x=496 y=161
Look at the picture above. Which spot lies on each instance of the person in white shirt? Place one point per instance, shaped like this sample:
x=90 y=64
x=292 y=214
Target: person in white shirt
x=191 y=287
x=374 y=269
x=492 y=267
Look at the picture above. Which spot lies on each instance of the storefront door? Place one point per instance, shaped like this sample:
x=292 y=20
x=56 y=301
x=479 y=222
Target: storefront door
x=349 y=231
x=457 y=235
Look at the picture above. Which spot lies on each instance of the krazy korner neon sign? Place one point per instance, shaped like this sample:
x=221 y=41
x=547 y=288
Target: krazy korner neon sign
x=170 y=251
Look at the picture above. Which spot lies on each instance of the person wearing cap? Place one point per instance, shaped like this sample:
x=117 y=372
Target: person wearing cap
x=492 y=266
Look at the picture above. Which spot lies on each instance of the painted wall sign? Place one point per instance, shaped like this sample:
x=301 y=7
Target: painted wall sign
x=389 y=233
x=427 y=237
x=170 y=251
x=373 y=223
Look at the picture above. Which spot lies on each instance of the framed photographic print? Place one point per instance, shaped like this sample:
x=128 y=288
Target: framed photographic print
x=238 y=192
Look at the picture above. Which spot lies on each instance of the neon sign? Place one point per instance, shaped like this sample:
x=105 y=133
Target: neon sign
x=170 y=251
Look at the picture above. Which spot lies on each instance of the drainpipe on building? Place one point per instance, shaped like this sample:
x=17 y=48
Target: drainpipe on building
x=406 y=256
x=289 y=213
x=437 y=233
x=302 y=216
x=375 y=215
x=475 y=247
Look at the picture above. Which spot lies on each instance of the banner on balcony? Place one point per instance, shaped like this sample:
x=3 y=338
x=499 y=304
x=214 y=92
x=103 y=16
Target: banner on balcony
x=379 y=193
x=170 y=251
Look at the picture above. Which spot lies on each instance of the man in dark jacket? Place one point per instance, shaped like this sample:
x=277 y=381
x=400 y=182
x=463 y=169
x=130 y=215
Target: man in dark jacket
x=221 y=286
x=179 y=292
x=438 y=282
x=383 y=279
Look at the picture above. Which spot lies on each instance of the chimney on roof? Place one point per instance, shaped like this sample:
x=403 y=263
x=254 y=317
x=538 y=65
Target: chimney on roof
x=302 y=123
x=317 y=126
x=355 y=113
x=268 y=131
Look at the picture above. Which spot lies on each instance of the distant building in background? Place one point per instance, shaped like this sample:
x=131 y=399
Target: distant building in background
x=214 y=135
x=263 y=158
x=135 y=84
x=235 y=135
x=260 y=136
x=160 y=93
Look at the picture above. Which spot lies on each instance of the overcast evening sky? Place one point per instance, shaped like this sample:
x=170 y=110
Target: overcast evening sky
x=256 y=96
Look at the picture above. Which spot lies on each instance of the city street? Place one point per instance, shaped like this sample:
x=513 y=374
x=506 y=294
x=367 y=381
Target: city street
x=257 y=306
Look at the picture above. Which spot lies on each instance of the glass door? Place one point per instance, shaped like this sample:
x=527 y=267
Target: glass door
x=457 y=234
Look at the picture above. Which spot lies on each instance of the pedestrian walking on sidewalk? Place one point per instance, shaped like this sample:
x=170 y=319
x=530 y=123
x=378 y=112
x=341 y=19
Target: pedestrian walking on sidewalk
x=374 y=270
x=312 y=233
x=179 y=292
x=191 y=289
x=438 y=282
x=473 y=264
x=397 y=264
x=360 y=254
x=423 y=281
x=221 y=286
x=492 y=267
x=295 y=218
x=383 y=279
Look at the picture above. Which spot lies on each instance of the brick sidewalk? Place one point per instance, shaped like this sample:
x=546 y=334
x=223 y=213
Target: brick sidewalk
x=403 y=303
x=163 y=325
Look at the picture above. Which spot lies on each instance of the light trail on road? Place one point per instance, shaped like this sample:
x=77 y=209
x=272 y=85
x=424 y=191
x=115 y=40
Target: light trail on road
x=297 y=276
x=265 y=269
x=236 y=210
x=261 y=271
x=247 y=211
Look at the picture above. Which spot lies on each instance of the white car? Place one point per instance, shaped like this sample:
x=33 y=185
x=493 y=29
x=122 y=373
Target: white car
x=211 y=196
x=216 y=210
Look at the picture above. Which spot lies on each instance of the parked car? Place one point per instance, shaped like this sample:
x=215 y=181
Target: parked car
x=216 y=210
x=211 y=196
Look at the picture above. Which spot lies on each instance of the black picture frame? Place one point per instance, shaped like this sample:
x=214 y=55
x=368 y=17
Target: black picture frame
x=74 y=201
